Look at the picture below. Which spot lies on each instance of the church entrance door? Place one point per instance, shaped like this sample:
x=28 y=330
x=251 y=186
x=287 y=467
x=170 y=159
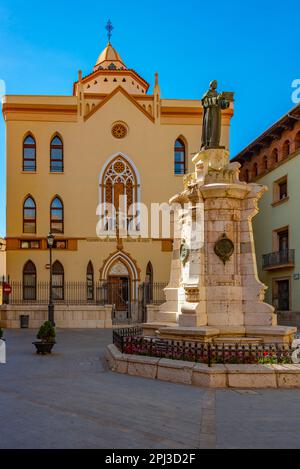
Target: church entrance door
x=119 y=292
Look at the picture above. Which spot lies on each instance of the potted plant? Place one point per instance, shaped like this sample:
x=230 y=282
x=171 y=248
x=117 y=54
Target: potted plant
x=46 y=336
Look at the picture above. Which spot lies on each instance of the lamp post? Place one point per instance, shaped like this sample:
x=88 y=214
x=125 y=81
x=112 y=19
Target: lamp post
x=50 y=239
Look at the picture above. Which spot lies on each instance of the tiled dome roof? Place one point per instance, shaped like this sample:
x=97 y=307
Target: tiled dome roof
x=110 y=55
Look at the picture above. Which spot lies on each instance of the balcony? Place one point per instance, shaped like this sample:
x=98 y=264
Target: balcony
x=279 y=260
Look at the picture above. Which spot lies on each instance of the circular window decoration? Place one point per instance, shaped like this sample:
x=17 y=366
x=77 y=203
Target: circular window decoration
x=119 y=130
x=119 y=167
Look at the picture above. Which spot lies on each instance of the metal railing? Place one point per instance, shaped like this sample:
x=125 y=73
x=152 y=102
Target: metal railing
x=277 y=259
x=131 y=342
x=82 y=293
x=120 y=334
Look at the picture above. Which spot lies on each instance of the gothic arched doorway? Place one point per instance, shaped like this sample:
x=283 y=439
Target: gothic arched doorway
x=121 y=275
x=119 y=286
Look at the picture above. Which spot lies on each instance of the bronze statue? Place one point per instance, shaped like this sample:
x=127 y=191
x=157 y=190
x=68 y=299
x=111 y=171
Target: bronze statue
x=213 y=103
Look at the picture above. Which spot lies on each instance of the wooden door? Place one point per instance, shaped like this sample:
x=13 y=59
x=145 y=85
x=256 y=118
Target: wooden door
x=118 y=292
x=283 y=295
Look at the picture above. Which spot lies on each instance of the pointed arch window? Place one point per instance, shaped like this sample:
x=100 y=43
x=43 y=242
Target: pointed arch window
x=149 y=283
x=58 y=281
x=56 y=155
x=29 y=216
x=57 y=216
x=119 y=179
x=179 y=157
x=29 y=281
x=29 y=154
x=90 y=282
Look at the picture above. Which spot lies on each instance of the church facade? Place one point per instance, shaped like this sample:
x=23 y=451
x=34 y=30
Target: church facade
x=68 y=154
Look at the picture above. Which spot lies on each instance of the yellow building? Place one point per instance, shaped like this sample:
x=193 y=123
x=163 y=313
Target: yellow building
x=68 y=154
x=273 y=160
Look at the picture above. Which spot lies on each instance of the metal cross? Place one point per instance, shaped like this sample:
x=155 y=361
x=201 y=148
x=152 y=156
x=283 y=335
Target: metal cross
x=109 y=27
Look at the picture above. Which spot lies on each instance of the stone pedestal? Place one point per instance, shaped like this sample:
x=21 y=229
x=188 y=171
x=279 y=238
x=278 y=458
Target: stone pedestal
x=214 y=286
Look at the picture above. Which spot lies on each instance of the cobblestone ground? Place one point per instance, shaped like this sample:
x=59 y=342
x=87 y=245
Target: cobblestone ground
x=71 y=400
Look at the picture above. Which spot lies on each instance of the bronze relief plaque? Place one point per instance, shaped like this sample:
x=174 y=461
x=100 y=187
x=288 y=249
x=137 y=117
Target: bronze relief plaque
x=224 y=248
x=184 y=252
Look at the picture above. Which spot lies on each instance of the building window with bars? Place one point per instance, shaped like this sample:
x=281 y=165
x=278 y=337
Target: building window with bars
x=90 y=282
x=29 y=281
x=58 y=281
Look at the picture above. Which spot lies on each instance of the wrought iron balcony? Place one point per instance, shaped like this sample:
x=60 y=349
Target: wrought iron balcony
x=279 y=260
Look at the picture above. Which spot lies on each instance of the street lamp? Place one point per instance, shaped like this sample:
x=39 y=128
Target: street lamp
x=50 y=239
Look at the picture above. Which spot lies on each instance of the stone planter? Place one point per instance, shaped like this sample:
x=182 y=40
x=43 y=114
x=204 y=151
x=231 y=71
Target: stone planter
x=44 y=348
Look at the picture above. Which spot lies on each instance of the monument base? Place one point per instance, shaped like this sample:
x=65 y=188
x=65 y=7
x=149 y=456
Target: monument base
x=227 y=335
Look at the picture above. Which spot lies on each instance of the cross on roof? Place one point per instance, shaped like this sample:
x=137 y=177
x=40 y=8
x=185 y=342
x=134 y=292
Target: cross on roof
x=109 y=27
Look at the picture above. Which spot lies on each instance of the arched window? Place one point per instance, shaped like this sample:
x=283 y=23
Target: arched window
x=56 y=155
x=57 y=216
x=29 y=216
x=179 y=157
x=29 y=154
x=286 y=149
x=29 y=281
x=58 y=281
x=274 y=156
x=255 y=170
x=297 y=141
x=90 y=282
x=149 y=283
x=265 y=162
x=119 y=179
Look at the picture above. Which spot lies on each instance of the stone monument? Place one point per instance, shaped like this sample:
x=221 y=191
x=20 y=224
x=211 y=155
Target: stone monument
x=214 y=293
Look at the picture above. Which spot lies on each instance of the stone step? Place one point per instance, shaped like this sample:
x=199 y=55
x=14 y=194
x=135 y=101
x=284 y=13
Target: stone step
x=238 y=340
x=152 y=328
x=166 y=317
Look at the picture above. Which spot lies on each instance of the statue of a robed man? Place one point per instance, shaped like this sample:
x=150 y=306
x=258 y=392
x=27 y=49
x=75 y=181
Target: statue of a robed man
x=213 y=103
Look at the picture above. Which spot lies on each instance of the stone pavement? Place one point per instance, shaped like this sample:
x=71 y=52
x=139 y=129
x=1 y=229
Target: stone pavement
x=71 y=400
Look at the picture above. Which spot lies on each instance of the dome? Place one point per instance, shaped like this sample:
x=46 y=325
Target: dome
x=109 y=56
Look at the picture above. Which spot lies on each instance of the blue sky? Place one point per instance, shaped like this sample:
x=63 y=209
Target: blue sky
x=252 y=48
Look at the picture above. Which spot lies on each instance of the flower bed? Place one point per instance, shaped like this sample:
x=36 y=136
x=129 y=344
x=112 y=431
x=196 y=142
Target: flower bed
x=196 y=352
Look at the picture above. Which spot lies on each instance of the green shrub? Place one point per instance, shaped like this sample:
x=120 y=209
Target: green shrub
x=47 y=333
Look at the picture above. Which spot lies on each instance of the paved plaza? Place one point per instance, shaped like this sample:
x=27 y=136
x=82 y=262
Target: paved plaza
x=71 y=400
